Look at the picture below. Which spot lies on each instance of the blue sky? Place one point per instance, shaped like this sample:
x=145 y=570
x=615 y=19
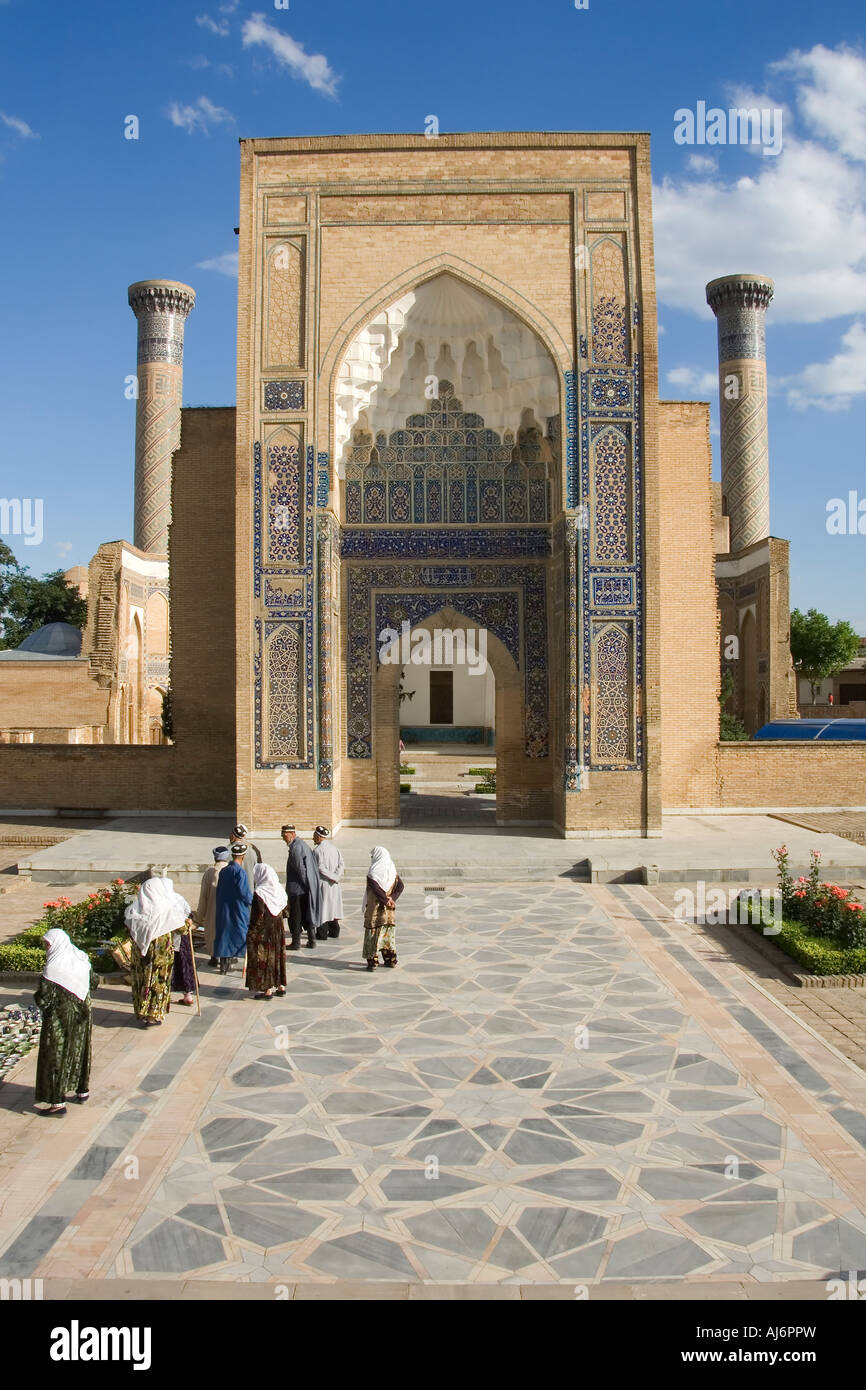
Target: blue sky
x=86 y=211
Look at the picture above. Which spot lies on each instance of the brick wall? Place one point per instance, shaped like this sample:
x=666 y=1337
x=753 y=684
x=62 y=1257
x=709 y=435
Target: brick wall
x=198 y=772
x=689 y=626
x=50 y=695
x=780 y=774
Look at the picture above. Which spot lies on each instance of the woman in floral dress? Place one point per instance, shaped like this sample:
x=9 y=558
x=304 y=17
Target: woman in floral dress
x=266 y=938
x=157 y=913
x=384 y=887
x=63 y=998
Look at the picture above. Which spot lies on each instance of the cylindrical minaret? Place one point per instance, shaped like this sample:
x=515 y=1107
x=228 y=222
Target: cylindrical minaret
x=161 y=307
x=739 y=303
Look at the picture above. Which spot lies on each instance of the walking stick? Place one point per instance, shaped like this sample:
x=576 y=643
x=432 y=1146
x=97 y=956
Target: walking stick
x=194 y=974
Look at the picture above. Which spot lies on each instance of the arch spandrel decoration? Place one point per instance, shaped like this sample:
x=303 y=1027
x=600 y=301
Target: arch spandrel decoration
x=508 y=599
x=284 y=318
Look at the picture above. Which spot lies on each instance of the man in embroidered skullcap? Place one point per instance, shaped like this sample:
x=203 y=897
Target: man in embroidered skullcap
x=331 y=870
x=304 y=889
x=252 y=855
x=234 y=898
x=205 y=913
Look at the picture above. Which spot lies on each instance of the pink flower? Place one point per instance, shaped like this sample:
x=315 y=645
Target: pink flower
x=801 y=893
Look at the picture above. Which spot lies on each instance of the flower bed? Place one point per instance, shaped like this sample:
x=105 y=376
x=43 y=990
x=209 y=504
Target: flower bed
x=823 y=928
x=815 y=953
x=94 y=925
x=826 y=911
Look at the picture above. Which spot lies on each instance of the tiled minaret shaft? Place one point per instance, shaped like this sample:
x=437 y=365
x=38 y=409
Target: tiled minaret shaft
x=161 y=307
x=739 y=303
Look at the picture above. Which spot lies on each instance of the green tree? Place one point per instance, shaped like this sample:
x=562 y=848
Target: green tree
x=731 y=727
x=28 y=603
x=819 y=648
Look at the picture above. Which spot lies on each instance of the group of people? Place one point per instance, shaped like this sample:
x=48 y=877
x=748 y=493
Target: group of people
x=312 y=900
x=242 y=909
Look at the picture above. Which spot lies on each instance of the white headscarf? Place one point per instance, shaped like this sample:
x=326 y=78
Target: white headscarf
x=269 y=888
x=156 y=911
x=382 y=870
x=65 y=965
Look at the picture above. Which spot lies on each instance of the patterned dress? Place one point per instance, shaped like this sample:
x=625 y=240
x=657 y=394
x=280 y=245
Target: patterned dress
x=63 y=1065
x=183 y=973
x=378 y=931
x=151 y=979
x=266 y=949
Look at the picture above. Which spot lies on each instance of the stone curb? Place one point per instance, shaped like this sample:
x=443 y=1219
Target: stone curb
x=766 y=947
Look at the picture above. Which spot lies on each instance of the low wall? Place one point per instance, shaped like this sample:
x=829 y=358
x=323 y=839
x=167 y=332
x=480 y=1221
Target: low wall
x=120 y=777
x=786 y=773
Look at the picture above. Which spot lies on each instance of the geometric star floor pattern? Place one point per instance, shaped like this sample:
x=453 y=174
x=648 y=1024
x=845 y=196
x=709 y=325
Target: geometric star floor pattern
x=452 y=1120
x=524 y=1099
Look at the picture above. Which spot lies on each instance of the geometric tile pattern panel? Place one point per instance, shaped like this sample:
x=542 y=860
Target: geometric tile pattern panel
x=523 y=1100
x=609 y=494
x=284 y=395
x=445 y=466
x=612 y=646
x=284 y=482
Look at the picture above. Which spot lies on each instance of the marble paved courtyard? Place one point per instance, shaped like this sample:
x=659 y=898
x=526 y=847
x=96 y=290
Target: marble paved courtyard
x=559 y=1084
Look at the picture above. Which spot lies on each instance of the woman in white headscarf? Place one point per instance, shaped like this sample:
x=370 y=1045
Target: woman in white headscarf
x=266 y=937
x=384 y=886
x=63 y=998
x=157 y=915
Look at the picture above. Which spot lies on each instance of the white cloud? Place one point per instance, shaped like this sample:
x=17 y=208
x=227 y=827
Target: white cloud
x=20 y=127
x=800 y=216
x=310 y=67
x=202 y=116
x=226 y=264
x=832 y=99
x=63 y=548
x=833 y=385
x=702 y=383
x=216 y=26
x=702 y=163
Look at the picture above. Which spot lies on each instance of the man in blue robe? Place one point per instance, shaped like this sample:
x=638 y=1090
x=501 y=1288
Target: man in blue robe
x=234 y=897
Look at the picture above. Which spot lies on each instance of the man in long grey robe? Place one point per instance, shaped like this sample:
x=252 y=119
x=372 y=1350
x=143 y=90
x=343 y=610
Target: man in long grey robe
x=304 y=889
x=331 y=870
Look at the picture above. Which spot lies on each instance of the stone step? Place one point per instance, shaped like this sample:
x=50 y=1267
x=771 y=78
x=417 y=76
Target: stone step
x=459 y=788
x=445 y=771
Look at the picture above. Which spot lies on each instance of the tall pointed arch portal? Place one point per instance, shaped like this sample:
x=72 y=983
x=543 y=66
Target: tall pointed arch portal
x=447 y=412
